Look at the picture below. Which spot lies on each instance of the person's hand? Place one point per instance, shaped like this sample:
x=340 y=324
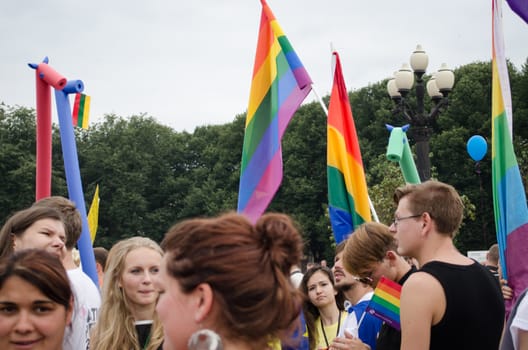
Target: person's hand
x=507 y=292
x=348 y=343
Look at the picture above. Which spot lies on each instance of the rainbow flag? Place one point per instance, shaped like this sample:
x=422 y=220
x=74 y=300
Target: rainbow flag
x=81 y=110
x=509 y=199
x=385 y=303
x=280 y=84
x=347 y=187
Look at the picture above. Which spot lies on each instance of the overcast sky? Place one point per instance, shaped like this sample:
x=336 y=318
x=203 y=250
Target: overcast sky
x=189 y=63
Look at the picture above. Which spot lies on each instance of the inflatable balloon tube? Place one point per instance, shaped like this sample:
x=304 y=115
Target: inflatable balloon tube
x=45 y=76
x=73 y=174
x=398 y=150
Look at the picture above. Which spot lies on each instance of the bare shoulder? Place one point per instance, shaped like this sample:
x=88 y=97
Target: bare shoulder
x=421 y=282
x=418 y=309
x=422 y=296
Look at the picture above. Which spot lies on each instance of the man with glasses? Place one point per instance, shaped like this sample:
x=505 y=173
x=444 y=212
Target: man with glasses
x=452 y=302
x=370 y=253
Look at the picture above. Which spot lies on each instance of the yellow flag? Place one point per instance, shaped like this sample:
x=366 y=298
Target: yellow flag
x=93 y=214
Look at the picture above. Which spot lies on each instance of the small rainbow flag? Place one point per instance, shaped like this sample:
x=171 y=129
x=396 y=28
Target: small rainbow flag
x=81 y=110
x=385 y=303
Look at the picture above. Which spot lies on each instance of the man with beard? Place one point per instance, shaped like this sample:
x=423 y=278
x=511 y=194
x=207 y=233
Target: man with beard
x=362 y=327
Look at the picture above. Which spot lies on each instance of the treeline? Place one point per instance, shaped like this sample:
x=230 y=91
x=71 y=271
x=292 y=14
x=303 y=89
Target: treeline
x=151 y=176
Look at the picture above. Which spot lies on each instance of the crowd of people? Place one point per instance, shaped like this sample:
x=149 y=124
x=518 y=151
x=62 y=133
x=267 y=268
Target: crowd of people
x=226 y=283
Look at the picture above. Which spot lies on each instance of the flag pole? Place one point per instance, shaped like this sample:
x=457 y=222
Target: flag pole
x=321 y=102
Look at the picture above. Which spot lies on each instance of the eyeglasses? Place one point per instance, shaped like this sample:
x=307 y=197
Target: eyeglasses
x=397 y=219
x=364 y=280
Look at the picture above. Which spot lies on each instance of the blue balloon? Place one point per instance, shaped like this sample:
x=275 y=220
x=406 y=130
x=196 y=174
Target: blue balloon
x=477 y=147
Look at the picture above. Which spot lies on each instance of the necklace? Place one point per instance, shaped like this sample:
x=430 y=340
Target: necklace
x=337 y=332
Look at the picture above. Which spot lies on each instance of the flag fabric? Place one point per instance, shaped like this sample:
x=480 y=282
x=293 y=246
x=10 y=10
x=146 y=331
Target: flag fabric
x=385 y=303
x=81 y=110
x=93 y=214
x=509 y=199
x=279 y=85
x=520 y=7
x=348 y=201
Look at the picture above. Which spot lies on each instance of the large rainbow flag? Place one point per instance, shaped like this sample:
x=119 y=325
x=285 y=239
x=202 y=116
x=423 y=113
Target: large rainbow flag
x=385 y=303
x=347 y=187
x=509 y=199
x=280 y=84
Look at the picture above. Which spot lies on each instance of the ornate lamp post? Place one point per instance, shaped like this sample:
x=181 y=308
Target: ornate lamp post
x=438 y=87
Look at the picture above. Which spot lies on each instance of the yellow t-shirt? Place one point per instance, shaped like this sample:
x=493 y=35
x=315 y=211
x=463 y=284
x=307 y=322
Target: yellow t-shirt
x=331 y=332
x=275 y=344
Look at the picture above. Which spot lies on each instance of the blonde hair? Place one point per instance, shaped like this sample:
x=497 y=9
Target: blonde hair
x=76 y=256
x=115 y=327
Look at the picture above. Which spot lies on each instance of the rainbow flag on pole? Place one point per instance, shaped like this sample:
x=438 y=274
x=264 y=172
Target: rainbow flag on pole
x=509 y=199
x=81 y=110
x=280 y=84
x=385 y=303
x=347 y=187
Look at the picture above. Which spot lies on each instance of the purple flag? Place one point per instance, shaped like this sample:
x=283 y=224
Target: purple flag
x=520 y=7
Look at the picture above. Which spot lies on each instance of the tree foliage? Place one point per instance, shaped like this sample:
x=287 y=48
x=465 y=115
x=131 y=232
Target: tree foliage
x=151 y=176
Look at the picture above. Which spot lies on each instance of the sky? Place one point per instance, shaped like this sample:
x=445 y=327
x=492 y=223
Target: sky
x=189 y=64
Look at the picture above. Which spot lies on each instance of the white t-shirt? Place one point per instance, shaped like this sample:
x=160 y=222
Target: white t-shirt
x=85 y=312
x=520 y=321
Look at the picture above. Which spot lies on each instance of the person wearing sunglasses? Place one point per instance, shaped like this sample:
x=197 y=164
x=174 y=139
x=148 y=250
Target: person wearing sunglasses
x=361 y=326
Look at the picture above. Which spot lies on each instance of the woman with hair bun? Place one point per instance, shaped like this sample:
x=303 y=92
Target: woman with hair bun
x=228 y=277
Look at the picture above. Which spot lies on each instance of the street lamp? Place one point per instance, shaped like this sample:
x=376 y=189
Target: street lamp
x=438 y=87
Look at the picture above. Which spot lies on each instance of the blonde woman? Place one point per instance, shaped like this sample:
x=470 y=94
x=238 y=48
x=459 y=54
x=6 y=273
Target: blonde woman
x=128 y=318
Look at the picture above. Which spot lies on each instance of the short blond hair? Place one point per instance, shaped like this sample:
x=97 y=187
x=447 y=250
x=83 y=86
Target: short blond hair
x=440 y=200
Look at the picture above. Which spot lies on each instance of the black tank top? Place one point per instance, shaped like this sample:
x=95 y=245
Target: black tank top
x=474 y=314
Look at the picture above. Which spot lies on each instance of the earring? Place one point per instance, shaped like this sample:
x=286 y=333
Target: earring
x=205 y=339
